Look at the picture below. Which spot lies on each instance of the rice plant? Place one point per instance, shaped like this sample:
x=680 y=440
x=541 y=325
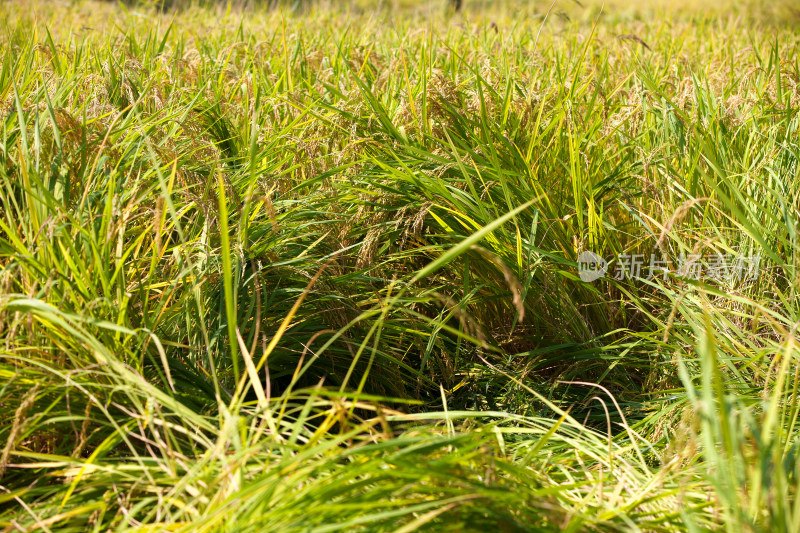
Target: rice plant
x=322 y=267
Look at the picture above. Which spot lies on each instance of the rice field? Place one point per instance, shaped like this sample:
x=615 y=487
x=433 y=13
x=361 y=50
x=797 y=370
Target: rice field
x=385 y=266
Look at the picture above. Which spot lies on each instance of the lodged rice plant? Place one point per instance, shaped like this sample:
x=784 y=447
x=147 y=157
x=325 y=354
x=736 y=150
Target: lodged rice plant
x=322 y=267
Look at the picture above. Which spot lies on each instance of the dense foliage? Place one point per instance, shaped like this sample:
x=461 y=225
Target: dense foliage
x=318 y=269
